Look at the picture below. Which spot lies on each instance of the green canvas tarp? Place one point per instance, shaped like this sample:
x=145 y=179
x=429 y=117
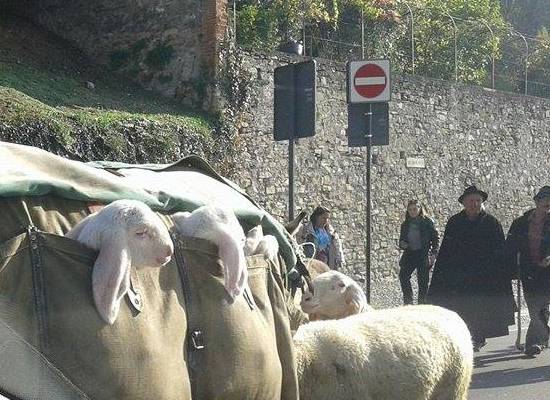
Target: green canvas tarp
x=184 y=342
x=181 y=186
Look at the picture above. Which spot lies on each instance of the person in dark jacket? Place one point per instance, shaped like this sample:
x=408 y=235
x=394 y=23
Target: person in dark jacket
x=419 y=240
x=469 y=275
x=529 y=236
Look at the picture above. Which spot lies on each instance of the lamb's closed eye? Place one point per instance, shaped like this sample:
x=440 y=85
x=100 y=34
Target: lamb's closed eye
x=127 y=233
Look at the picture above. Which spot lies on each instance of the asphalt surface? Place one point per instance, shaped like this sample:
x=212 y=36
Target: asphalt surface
x=502 y=372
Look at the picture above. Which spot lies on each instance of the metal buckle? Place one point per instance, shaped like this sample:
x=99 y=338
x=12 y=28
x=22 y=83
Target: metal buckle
x=197 y=339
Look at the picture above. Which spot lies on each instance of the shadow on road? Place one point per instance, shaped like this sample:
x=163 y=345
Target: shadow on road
x=508 y=376
x=496 y=356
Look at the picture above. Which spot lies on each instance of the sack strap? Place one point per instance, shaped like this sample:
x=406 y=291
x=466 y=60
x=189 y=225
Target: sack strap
x=195 y=334
x=38 y=285
x=39 y=288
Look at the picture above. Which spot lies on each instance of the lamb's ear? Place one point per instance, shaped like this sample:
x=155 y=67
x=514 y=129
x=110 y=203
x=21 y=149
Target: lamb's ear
x=111 y=275
x=231 y=253
x=354 y=300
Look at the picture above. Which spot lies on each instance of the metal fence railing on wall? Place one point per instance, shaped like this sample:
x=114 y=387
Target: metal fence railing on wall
x=456 y=49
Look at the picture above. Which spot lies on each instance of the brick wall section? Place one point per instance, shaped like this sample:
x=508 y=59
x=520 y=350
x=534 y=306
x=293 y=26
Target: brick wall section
x=214 y=27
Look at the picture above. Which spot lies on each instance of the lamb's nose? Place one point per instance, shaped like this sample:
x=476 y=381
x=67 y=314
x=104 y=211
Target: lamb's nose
x=165 y=258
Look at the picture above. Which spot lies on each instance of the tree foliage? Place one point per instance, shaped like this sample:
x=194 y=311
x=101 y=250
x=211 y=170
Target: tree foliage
x=528 y=16
x=453 y=39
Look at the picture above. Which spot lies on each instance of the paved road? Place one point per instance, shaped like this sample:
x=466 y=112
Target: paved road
x=504 y=373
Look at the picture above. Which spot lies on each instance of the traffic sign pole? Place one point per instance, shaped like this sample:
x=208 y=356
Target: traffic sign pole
x=368 y=201
x=368 y=81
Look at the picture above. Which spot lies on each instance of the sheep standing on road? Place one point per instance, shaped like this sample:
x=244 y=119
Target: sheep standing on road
x=412 y=352
x=127 y=233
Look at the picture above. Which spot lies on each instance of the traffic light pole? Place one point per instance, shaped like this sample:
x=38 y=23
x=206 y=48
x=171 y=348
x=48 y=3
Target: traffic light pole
x=294 y=111
x=368 y=206
x=291 y=154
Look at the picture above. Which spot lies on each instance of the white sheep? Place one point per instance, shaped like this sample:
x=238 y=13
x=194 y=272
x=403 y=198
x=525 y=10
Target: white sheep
x=221 y=227
x=334 y=296
x=258 y=243
x=412 y=352
x=127 y=233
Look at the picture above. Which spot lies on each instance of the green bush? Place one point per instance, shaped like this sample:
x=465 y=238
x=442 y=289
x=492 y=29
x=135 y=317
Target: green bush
x=256 y=27
x=159 y=57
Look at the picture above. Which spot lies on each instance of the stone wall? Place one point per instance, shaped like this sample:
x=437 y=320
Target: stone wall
x=163 y=44
x=463 y=134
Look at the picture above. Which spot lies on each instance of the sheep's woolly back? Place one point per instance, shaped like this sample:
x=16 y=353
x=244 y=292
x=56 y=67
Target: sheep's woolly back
x=413 y=352
x=269 y=247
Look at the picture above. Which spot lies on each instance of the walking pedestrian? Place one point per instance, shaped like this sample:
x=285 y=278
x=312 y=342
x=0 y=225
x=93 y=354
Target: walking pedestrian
x=529 y=236
x=328 y=247
x=469 y=276
x=419 y=241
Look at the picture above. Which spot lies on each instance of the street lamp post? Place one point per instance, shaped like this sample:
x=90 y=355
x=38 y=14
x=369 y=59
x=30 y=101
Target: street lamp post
x=526 y=55
x=412 y=33
x=455 y=30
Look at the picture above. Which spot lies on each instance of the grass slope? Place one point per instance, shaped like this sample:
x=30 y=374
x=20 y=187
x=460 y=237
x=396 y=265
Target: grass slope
x=43 y=82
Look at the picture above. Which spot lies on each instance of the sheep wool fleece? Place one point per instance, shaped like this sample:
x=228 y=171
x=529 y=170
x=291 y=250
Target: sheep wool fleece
x=411 y=352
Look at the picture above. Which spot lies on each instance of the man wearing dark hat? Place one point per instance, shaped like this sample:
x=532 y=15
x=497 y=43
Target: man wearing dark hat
x=529 y=236
x=468 y=276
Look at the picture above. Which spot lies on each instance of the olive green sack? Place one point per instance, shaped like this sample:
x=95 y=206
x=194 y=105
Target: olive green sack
x=48 y=302
x=248 y=351
x=46 y=298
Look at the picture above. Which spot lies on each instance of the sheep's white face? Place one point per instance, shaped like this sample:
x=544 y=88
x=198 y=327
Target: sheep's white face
x=149 y=242
x=335 y=296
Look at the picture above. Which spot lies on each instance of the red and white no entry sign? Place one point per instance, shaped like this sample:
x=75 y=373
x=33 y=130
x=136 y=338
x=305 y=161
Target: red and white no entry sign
x=369 y=81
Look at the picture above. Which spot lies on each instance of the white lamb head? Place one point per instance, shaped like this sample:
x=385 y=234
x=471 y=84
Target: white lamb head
x=335 y=296
x=221 y=227
x=127 y=233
